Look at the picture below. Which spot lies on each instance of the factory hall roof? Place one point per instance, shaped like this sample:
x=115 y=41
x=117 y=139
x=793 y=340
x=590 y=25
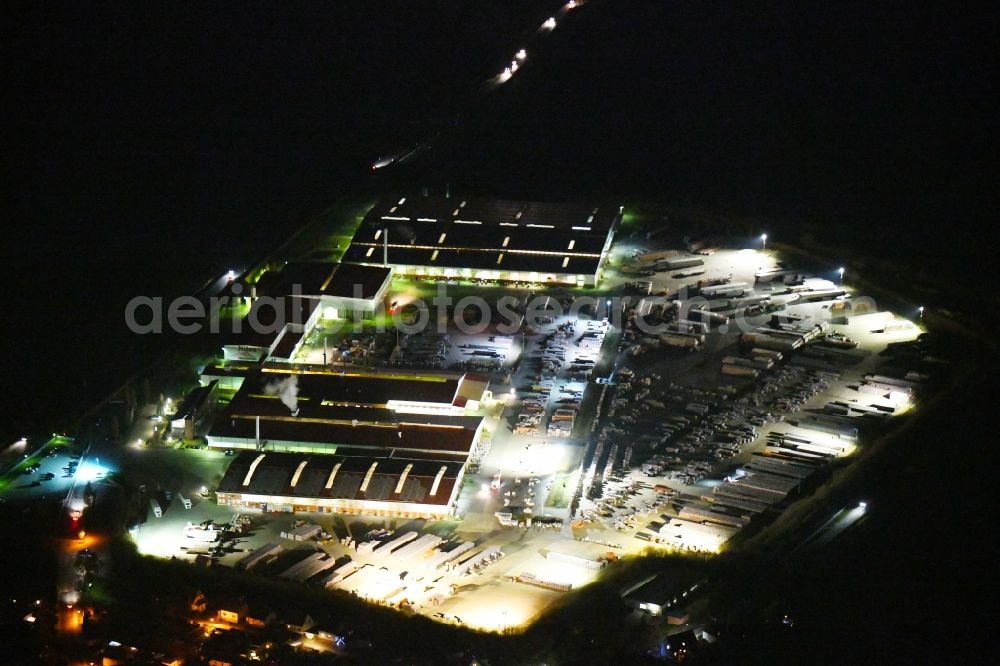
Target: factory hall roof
x=485 y=234
x=265 y=322
x=360 y=389
x=349 y=477
x=406 y=435
x=333 y=279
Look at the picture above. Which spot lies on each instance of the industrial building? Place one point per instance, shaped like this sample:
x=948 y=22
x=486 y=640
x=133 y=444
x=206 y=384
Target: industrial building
x=343 y=290
x=286 y=304
x=379 y=444
x=272 y=330
x=453 y=437
x=487 y=239
x=658 y=593
x=349 y=481
x=193 y=409
x=320 y=411
x=447 y=394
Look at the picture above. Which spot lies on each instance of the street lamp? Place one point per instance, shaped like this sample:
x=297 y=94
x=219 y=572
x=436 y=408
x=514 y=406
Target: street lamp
x=921 y=311
x=862 y=505
x=763 y=241
x=841 y=271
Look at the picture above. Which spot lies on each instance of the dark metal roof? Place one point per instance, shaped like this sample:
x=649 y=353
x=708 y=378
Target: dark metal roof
x=428 y=210
x=307 y=278
x=404 y=436
x=254 y=404
x=485 y=234
x=360 y=389
x=274 y=474
x=266 y=320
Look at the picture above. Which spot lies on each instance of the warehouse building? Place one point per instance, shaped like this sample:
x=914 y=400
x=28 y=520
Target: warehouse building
x=658 y=593
x=343 y=290
x=195 y=407
x=272 y=331
x=351 y=481
x=286 y=304
x=318 y=412
x=453 y=437
x=380 y=444
x=487 y=239
x=398 y=391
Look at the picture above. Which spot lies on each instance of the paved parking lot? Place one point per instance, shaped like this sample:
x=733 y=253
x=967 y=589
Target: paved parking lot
x=57 y=469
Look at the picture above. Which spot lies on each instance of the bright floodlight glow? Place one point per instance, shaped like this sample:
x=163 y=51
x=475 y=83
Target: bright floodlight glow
x=231 y=275
x=763 y=237
x=862 y=505
x=549 y=24
x=522 y=54
x=88 y=471
x=841 y=271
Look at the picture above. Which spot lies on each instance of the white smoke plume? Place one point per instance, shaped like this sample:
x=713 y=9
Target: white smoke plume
x=287 y=391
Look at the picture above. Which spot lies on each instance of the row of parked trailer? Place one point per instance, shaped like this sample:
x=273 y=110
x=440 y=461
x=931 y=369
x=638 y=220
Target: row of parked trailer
x=707 y=418
x=772 y=474
x=556 y=361
x=783 y=337
x=426 y=349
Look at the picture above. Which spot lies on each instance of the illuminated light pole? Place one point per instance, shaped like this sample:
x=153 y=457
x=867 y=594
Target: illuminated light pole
x=841 y=271
x=921 y=311
x=763 y=242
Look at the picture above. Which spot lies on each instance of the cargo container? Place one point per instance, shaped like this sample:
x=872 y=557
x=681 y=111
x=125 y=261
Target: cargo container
x=819 y=295
x=439 y=560
x=573 y=559
x=204 y=534
x=262 y=555
x=739 y=371
x=724 y=290
x=758 y=352
x=398 y=542
x=531 y=579
x=679 y=262
x=785 y=276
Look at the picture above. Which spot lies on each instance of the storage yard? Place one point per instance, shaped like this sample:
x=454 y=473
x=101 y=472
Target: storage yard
x=476 y=476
